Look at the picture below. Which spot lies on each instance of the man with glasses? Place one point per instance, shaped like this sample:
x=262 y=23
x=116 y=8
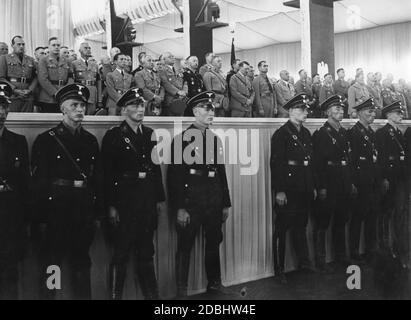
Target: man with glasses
x=199 y=194
x=20 y=71
x=67 y=183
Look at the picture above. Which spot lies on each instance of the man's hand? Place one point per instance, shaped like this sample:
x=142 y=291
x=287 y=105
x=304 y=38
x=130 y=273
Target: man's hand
x=322 y=194
x=113 y=216
x=19 y=92
x=226 y=214
x=385 y=186
x=281 y=199
x=183 y=218
x=249 y=102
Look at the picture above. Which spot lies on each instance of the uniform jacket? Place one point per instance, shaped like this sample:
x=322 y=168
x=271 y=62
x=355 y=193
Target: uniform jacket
x=50 y=163
x=391 y=148
x=265 y=97
x=50 y=72
x=341 y=88
x=357 y=94
x=14 y=163
x=332 y=159
x=180 y=184
x=304 y=87
x=375 y=93
x=215 y=81
x=86 y=74
x=205 y=68
x=326 y=92
x=117 y=84
x=120 y=159
x=172 y=83
x=241 y=90
x=364 y=155
x=150 y=82
x=13 y=70
x=285 y=147
x=285 y=91
x=194 y=82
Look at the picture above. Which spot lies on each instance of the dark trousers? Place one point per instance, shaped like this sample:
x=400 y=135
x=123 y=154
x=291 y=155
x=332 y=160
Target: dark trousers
x=11 y=244
x=135 y=234
x=69 y=235
x=211 y=221
x=293 y=217
x=335 y=207
x=365 y=210
x=394 y=212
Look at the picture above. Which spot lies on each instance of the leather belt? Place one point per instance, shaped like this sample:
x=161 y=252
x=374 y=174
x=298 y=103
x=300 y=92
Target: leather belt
x=80 y=184
x=400 y=158
x=203 y=173
x=294 y=163
x=90 y=83
x=374 y=160
x=59 y=83
x=19 y=80
x=342 y=163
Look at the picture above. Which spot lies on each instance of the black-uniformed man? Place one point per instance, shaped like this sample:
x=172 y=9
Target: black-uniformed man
x=67 y=175
x=366 y=180
x=133 y=194
x=193 y=80
x=14 y=178
x=20 y=71
x=199 y=193
x=391 y=147
x=293 y=184
x=334 y=183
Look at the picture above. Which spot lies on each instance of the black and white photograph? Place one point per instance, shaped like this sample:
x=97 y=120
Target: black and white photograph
x=205 y=155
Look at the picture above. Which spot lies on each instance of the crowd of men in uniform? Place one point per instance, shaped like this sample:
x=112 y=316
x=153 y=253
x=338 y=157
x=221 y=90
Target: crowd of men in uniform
x=168 y=86
x=356 y=176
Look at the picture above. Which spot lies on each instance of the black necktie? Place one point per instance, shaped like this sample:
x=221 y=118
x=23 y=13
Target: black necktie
x=87 y=63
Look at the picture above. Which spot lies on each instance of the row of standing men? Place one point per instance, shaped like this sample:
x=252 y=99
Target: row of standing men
x=330 y=170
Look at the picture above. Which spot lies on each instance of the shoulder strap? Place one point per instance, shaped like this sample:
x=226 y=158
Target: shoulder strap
x=392 y=134
x=335 y=141
x=295 y=138
x=68 y=154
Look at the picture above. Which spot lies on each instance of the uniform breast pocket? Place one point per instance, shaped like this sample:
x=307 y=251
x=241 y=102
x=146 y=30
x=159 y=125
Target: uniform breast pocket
x=13 y=69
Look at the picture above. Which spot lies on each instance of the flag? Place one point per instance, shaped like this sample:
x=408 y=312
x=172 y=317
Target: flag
x=233 y=57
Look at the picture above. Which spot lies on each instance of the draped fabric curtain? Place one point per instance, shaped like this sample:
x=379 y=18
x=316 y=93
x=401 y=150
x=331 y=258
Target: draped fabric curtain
x=386 y=49
x=36 y=21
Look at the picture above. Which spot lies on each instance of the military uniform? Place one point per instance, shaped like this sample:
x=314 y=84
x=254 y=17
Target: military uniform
x=241 y=91
x=117 y=84
x=367 y=181
x=173 y=82
x=67 y=177
x=326 y=93
x=357 y=94
x=133 y=185
x=21 y=74
x=341 y=88
x=195 y=84
x=205 y=68
x=265 y=102
x=86 y=73
x=391 y=147
x=53 y=74
x=215 y=81
x=333 y=167
x=305 y=87
x=292 y=172
x=202 y=190
x=150 y=83
x=14 y=181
